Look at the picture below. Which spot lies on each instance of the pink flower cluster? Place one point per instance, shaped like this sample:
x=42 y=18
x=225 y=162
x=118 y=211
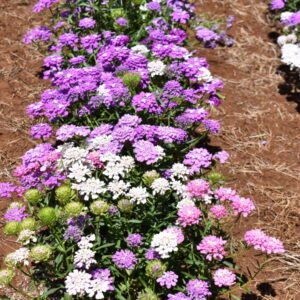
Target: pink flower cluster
x=188 y=215
x=224 y=277
x=213 y=247
x=260 y=241
x=218 y=211
x=245 y=206
x=198 y=188
x=240 y=205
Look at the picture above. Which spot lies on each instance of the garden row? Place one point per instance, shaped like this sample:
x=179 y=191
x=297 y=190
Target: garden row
x=124 y=202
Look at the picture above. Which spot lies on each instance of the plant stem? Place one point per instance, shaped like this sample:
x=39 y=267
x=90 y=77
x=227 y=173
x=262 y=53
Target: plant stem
x=20 y=292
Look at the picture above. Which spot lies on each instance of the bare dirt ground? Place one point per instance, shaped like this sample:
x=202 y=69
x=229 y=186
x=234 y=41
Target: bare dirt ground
x=19 y=86
x=260 y=129
x=253 y=112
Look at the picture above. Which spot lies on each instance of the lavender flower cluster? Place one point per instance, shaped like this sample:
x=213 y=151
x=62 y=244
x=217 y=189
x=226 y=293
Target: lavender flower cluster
x=125 y=204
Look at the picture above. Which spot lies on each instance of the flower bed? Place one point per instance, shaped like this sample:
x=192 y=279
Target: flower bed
x=126 y=204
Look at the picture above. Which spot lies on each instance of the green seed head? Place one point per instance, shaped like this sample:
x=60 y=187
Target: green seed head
x=125 y=205
x=147 y=295
x=131 y=80
x=155 y=269
x=6 y=277
x=33 y=196
x=118 y=13
x=40 y=253
x=12 y=228
x=64 y=193
x=99 y=207
x=29 y=224
x=215 y=177
x=73 y=209
x=149 y=177
x=47 y=215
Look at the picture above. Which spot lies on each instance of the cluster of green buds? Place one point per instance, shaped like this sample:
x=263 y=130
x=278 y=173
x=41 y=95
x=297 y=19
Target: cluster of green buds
x=155 y=269
x=125 y=205
x=40 y=253
x=149 y=176
x=47 y=215
x=148 y=294
x=33 y=196
x=6 y=277
x=99 y=207
x=131 y=80
x=64 y=193
x=73 y=209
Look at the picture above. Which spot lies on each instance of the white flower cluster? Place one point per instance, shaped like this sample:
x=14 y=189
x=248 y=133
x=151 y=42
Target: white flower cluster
x=285 y=39
x=85 y=257
x=160 y=186
x=118 y=188
x=19 y=257
x=26 y=237
x=81 y=283
x=79 y=172
x=138 y=195
x=204 y=75
x=179 y=171
x=165 y=242
x=140 y=49
x=99 y=142
x=92 y=187
x=117 y=166
x=156 y=67
x=290 y=55
x=71 y=155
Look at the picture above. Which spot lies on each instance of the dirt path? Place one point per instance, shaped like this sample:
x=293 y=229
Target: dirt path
x=261 y=132
x=260 y=127
x=19 y=86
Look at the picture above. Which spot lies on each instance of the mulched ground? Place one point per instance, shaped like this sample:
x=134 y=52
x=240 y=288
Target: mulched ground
x=260 y=127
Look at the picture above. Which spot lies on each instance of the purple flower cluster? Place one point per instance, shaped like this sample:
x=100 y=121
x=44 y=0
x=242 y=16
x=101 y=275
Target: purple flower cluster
x=15 y=214
x=124 y=259
x=42 y=130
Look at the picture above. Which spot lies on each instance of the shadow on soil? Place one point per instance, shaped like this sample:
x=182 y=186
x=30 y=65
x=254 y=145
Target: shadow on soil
x=291 y=86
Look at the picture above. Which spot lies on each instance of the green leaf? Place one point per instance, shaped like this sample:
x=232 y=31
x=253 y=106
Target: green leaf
x=235 y=297
x=50 y=292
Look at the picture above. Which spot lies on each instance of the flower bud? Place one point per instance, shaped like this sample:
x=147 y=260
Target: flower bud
x=215 y=177
x=40 y=253
x=131 y=80
x=29 y=224
x=73 y=209
x=118 y=13
x=12 y=228
x=147 y=295
x=6 y=277
x=155 y=269
x=47 y=215
x=99 y=207
x=125 y=205
x=64 y=193
x=33 y=196
x=149 y=177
